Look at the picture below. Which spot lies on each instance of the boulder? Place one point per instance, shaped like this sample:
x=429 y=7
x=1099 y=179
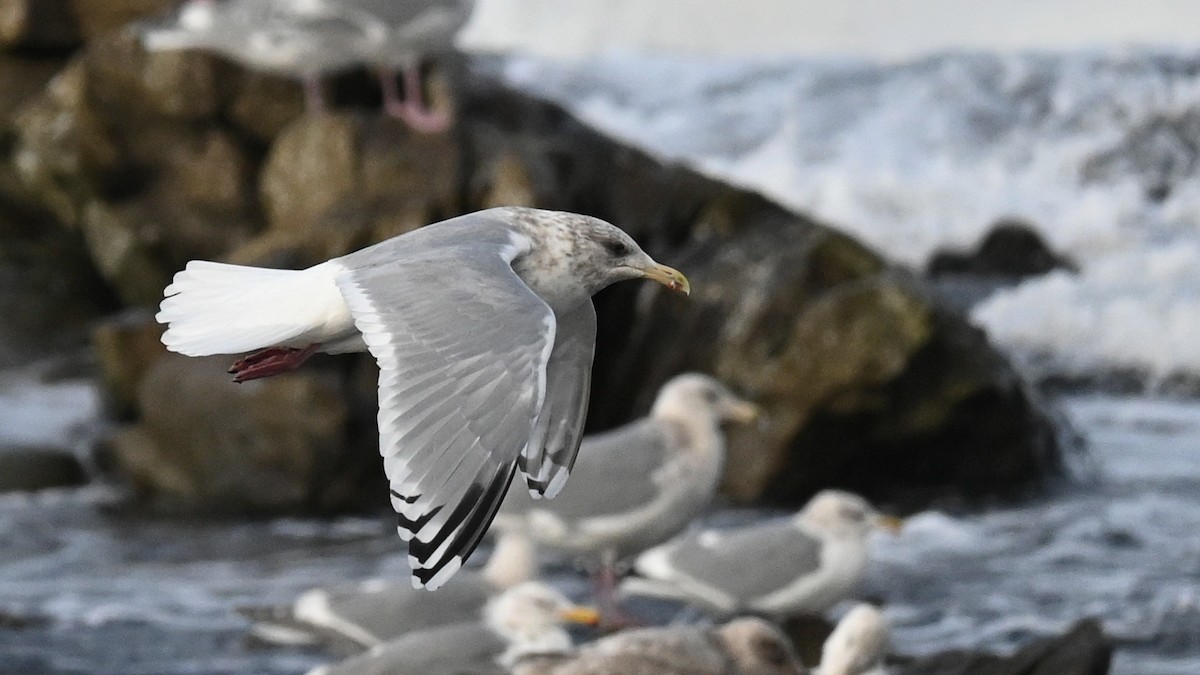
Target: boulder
x=270 y=446
x=347 y=164
x=26 y=469
x=1082 y=650
x=63 y=24
x=869 y=382
x=1011 y=250
x=125 y=345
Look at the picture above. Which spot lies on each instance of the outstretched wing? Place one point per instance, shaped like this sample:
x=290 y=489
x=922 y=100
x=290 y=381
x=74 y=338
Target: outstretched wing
x=547 y=460
x=462 y=345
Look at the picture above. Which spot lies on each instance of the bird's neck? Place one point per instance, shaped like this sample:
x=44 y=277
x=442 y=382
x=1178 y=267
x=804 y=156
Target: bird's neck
x=700 y=433
x=513 y=561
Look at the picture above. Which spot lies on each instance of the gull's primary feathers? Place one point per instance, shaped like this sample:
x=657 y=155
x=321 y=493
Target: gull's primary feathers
x=484 y=331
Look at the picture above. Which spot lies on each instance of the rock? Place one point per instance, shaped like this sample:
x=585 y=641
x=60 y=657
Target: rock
x=270 y=446
x=126 y=345
x=21 y=78
x=1012 y=249
x=869 y=382
x=62 y=24
x=347 y=162
x=1082 y=650
x=128 y=148
x=37 y=468
x=808 y=635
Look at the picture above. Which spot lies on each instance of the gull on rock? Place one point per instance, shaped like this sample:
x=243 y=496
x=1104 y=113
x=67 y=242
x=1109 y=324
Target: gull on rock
x=801 y=565
x=484 y=330
x=307 y=39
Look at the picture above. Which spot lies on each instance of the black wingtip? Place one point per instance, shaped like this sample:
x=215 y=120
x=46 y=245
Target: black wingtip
x=468 y=523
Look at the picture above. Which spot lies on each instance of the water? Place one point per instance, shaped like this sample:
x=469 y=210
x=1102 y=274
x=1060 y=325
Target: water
x=86 y=587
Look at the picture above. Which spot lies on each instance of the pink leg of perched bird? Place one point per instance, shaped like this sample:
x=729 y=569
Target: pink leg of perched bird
x=411 y=107
x=314 y=94
x=612 y=616
x=270 y=361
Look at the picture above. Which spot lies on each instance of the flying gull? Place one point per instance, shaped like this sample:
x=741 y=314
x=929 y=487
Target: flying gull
x=484 y=331
x=295 y=38
x=352 y=617
x=857 y=645
x=528 y=618
x=641 y=484
x=801 y=565
x=747 y=646
x=416 y=29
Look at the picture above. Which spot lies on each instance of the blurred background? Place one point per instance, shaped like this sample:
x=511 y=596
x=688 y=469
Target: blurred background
x=951 y=249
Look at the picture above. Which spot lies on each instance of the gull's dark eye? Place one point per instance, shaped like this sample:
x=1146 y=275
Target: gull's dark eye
x=617 y=249
x=710 y=395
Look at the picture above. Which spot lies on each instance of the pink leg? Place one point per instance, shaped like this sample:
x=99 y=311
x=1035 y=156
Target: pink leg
x=612 y=616
x=270 y=361
x=412 y=108
x=314 y=94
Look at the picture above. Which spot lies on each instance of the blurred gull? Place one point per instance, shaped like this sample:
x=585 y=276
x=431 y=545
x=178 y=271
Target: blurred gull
x=528 y=618
x=356 y=616
x=640 y=484
x=416 y=29
x=297 y=38
x=857 y=645
x=484 y=331
x=801 y=565
x=746 y=646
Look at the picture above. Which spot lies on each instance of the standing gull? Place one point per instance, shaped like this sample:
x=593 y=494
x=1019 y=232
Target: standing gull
x=747 y=646
x=351 y=617
x=801 y=565
x=416 y=30
x=857 y=645
x=640 y=484
x=302 y=38
x=484 y=331
x=528 y=618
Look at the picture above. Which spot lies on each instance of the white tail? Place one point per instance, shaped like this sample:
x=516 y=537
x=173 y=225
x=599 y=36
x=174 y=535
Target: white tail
x=215 y=308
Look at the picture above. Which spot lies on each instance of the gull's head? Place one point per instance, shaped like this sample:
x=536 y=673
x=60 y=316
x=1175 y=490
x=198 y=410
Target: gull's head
x=694 y=395
x=844 y=515
x=532 y=615
x=593 y=252
x=858 y=645
x=756 y=647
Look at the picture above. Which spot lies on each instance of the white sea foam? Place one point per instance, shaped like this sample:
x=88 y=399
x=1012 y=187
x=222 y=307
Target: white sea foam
x=1096 y=151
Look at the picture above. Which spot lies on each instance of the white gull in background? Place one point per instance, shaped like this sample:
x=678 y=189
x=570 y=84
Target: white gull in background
x=528 y=618
x=484 y=330
x=307 y=39
x=858 y=645
x=746 y=646
x=417 y=30
x=355 y=616
x=801 y=565
x=640 y=484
